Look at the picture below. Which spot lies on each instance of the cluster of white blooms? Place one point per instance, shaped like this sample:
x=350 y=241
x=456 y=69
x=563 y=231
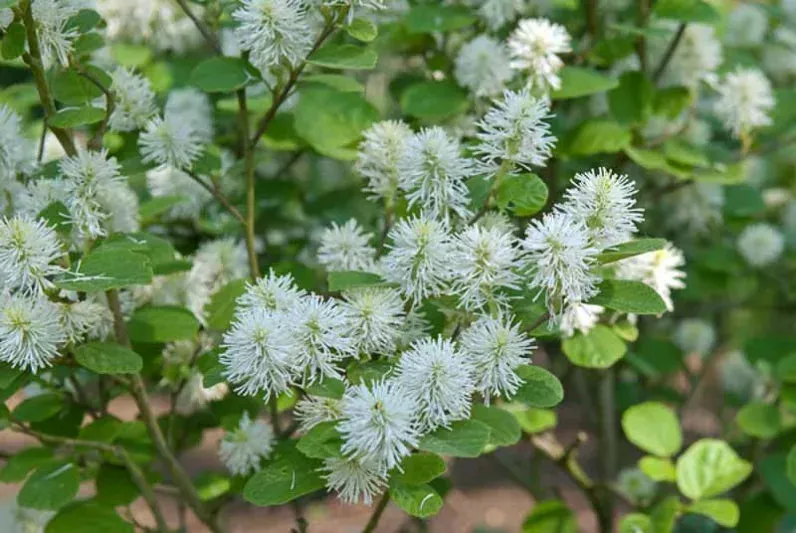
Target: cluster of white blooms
x=158 y=23
x=483 y=66
x=170 y=142
x=660 y=270
x=761 y=244
x=535 y=47
x=15 y=151
x=380 y=155
x=56 y=36
x=746 y=26
x=243 y=449
x=134 y=104
x=695 y=335
x=745 y=101
x=346 y=247
x=696 y=58
x=696 y=208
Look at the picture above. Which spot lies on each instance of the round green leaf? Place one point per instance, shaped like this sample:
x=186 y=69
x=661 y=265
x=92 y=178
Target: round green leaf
x=654 y=428
x=723 y=512
x=522 y=194
x=710 y=467
x=540 y=387
x=421 y=501
x=759 y=419
x=419 y=468
x=50 y=487
x=38 y=408
x=362 y=30
x=344 y=56
x=288 y=476
x=599 y=348
x=465 y=438
x=71 y=117
x=162 y=324
x=658 y=468
x=504 y=430
x=221 y=74
x=87 y=517
x=108 y=358
x=434 y=100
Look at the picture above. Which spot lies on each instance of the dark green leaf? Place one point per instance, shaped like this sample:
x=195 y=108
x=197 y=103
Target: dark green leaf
x=344 y=56
x=503 y=427
x=162 y=324
x=629 y=297
x=465 y=438
x=87 y=517
x=421 y=501
x=114 y=486
x=550 y=516
x=434 y=100
x=108 y=358
x=540 y=387
x=321 y=442
x=221 y=74
x=631 y=102
x=419 y=468
x=221 y=308
x=18 y=465
x=50 y=487
x=630 y=249
x=70 y=88
x=579 y=81
x=105 y=270
x=328 y=388
x=13 y=41
x=284 y=479
x=39 y=407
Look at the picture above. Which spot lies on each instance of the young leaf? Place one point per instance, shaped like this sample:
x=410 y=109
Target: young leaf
x=653 y=427
x=349 y=279
x=710 y=467
x=598 y=136
x=362 y=30
x=599 y=348
x=421 y=501
x=579 y=81
x=724 y=512
x=540 y=388
x=290 y=475
x=658 y=469
x=630 y=249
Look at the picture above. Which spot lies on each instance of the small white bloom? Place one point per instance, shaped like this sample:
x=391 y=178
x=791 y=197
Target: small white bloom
x=496 y=348
x=272 y=293
x=39 y=194
x=86 y=320
x=483 y=262
x=696 y=58
x=346 y=247
x=194 y=396
x=243 y=449
x=55 y=35
x=761 y=244
x=740 y=378
x=379 y=156
x=561 y=259
x=374 y=317
x=272 y=30
x=378 y=423
x=170 y=142
x=169 y=181
x=440 y=378
x=120 y=202
x=696 y=207
x=482 y=65
x=746 y=26
x=135 y=101
x=660 y=270
x=579 y=317
x=30 y=332
x=313 y=410
x=605 y=203
x=516 y=129
x=215 y=264
x=745 y=101
x=694 y=335
x=16 y=153
x=433 y=174
x=258 y=353
x=193 y=108
x=27 y=250
x=319 y=332
x=355 y=480
x=535 y=46
x=418 y=258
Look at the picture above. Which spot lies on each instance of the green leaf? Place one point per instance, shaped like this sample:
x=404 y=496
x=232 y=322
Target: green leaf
x=687 y=11
x=39 y=407
x=57 y=215
x=681 y=153
x=13 y=41
x=791 y=465
x=18 y=465
x=419 y=468
x=288 y=476
x=8 y=374
x=328 y=388
x=550 y=516
x=578 y=81
x=653 y=427
x=503 y=427
x=70 y=117
x=629 y=297
x=534 y=420
x=465 y=438
x=759 y=419
x=631 y=101
x=85 y=20
x=105 y=429
x=108 y=358
x=221 y=75
x=434 y=100
x=598 y=136
x=658 y=469
x=162 y=324
x=774 y=472
x=723 y=512
x=631 y=249
x=635 y=523
x=349 y=279
x=103 y=270
x=599 y=348
x=710 y=467
x=88 y=43
x=362 y=30
x=344 y=56
x=114 y=486
x=211 y=485
x=743 y=201
x=221 y=308
x=72 y=89
x=368 y=372
x=421 y=501
x=321 y=442
x=664 y=515
x=523 y=195
x=344 y=84
x=211 y=368
x=540 y=388
x=155 y=207
x=428 y=18
x=87 y=517
x=50 y=487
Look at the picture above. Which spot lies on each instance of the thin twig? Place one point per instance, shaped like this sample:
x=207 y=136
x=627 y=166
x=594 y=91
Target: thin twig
x=209 y=36
x=370 y=527
x=669 y=52
x=218 y=195
x=644 y=8
x=110 y=103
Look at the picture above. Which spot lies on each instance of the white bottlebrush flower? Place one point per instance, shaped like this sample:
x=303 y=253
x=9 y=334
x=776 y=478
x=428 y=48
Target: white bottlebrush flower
x=745 y=102
x=192 y=107
x=121 y=203
x=272 y=292
x=483 y=262
x=535 y=47
x=27 y=250
x=30 y=332
x=135 y=101
x=86 y=320
x=516 y=130
x=418 y=258
x=496 y=348
x=355 y=481
x=605 y=203
x=273 y=30
x=39 y=194
x=313 y=410
x=440 y=379
x=169 y=181
x=660 y=270
x=561 y=258
x=346 y=247
x=258 y=353
x=482 y=65
x=696 y=58
x=16 y=153
x=694 y=335
x=761 y=244
x=433 y=174
x=636 y=486
x=374 y=317
x=242 y=450
x=579 y=317
x=696 y=207
x=746 y=26
x=170 y=141
x=215 y=264
x=160 y=24
x=379 y=156
x=378 y=423
x=194 y=396
x=56 y=36
x=320 y=338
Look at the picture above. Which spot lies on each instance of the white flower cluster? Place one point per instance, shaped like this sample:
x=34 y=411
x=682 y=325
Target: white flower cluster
x=158 y=23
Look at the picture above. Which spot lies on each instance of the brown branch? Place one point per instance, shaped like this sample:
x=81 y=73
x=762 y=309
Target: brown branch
x=667 y=56
x=218 y=195
x=208 y=35
x=370 y=527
